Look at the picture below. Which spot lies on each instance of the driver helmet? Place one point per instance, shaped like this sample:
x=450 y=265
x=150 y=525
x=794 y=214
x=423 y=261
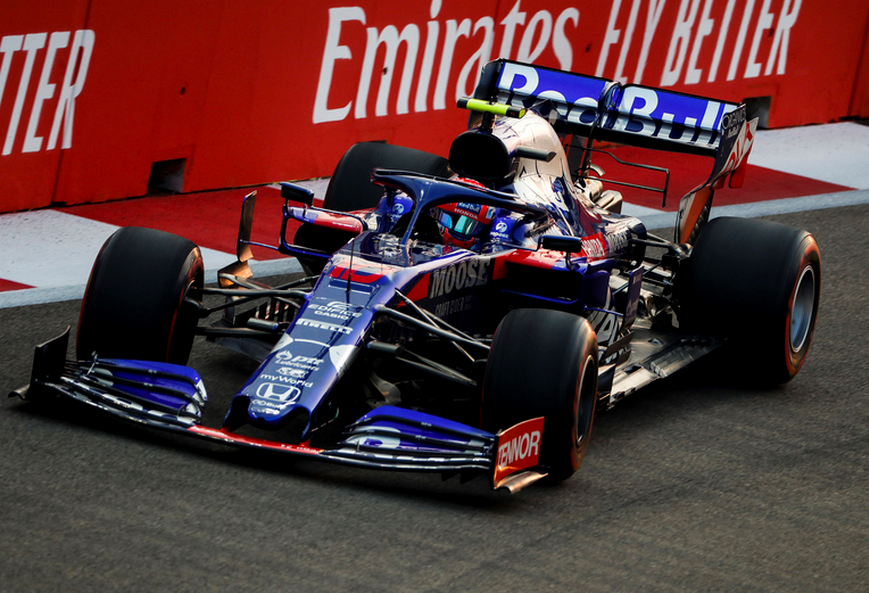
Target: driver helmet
x=462 y=223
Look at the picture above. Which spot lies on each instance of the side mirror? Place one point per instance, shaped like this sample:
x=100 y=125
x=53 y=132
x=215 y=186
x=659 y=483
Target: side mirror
x=561 y=243
x=297 y=193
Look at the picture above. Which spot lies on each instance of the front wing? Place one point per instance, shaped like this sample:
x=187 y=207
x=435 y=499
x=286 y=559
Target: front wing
x=172 y=397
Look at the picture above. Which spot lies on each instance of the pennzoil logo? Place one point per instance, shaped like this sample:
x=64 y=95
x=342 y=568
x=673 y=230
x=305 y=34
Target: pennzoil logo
x=466 y=274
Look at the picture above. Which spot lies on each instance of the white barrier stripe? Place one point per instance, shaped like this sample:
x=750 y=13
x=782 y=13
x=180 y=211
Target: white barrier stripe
x=56 y=294
x=667 y=220
x=835 y=153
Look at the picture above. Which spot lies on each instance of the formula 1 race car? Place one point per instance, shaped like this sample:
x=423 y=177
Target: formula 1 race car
x=465 y=315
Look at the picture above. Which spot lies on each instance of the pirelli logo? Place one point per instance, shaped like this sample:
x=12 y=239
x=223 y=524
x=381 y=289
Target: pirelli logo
x=466 y=274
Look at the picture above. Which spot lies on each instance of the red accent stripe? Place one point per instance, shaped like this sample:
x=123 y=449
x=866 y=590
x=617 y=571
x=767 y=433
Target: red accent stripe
x=698 y=202
x=542 y=258
x=230 y=437
x=499 y=269
x=357 y=276
x=8 y=285
x=420 y=289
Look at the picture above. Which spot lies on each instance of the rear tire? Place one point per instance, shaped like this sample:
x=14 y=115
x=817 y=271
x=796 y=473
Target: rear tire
x=757 y=284
x=139 y=299
x=350 y=187
x=544 y=363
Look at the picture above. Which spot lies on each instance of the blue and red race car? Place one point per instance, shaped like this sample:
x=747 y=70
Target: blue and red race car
x=464 y=315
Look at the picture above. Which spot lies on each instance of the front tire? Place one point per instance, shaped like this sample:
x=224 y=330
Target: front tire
x=757 y=284
x=544 y=363
x=140 y=299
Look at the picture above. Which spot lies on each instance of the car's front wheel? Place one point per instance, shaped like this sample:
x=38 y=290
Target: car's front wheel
x=140 y=302
x=544 y=363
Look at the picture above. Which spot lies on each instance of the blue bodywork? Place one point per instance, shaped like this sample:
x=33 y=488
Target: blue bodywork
x=397 y=300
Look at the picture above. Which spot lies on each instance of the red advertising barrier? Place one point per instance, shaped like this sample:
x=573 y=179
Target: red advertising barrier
x=100 y=99
x=37 y=97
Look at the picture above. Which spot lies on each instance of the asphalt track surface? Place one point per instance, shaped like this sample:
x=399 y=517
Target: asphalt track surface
x=695 y=484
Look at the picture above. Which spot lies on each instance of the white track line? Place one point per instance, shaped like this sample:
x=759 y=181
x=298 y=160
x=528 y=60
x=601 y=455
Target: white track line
x=51 y=249
x=55 y=294
x=667 y=220
x=54 y=251
x=835 y=153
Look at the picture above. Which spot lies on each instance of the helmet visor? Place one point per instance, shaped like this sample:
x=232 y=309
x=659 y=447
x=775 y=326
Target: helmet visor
x=460 y=225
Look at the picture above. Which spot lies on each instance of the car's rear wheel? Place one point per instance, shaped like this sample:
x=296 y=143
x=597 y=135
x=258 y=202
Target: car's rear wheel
x=140 y=301
x=757 y=284
x=544 y=363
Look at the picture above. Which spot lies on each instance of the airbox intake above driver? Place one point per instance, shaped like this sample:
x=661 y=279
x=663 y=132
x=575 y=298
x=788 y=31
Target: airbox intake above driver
x=480 y=156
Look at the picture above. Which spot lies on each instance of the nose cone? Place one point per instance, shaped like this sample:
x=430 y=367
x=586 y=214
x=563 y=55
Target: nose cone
x=269 y=419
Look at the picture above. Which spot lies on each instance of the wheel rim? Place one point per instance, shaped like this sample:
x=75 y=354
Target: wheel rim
x=803 y=309
x=587 y=388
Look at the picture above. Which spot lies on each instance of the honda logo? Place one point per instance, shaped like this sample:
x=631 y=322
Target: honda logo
x=282 y=393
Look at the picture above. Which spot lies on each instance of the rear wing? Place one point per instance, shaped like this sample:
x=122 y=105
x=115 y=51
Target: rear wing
x=603 y=109
x=635 y=115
